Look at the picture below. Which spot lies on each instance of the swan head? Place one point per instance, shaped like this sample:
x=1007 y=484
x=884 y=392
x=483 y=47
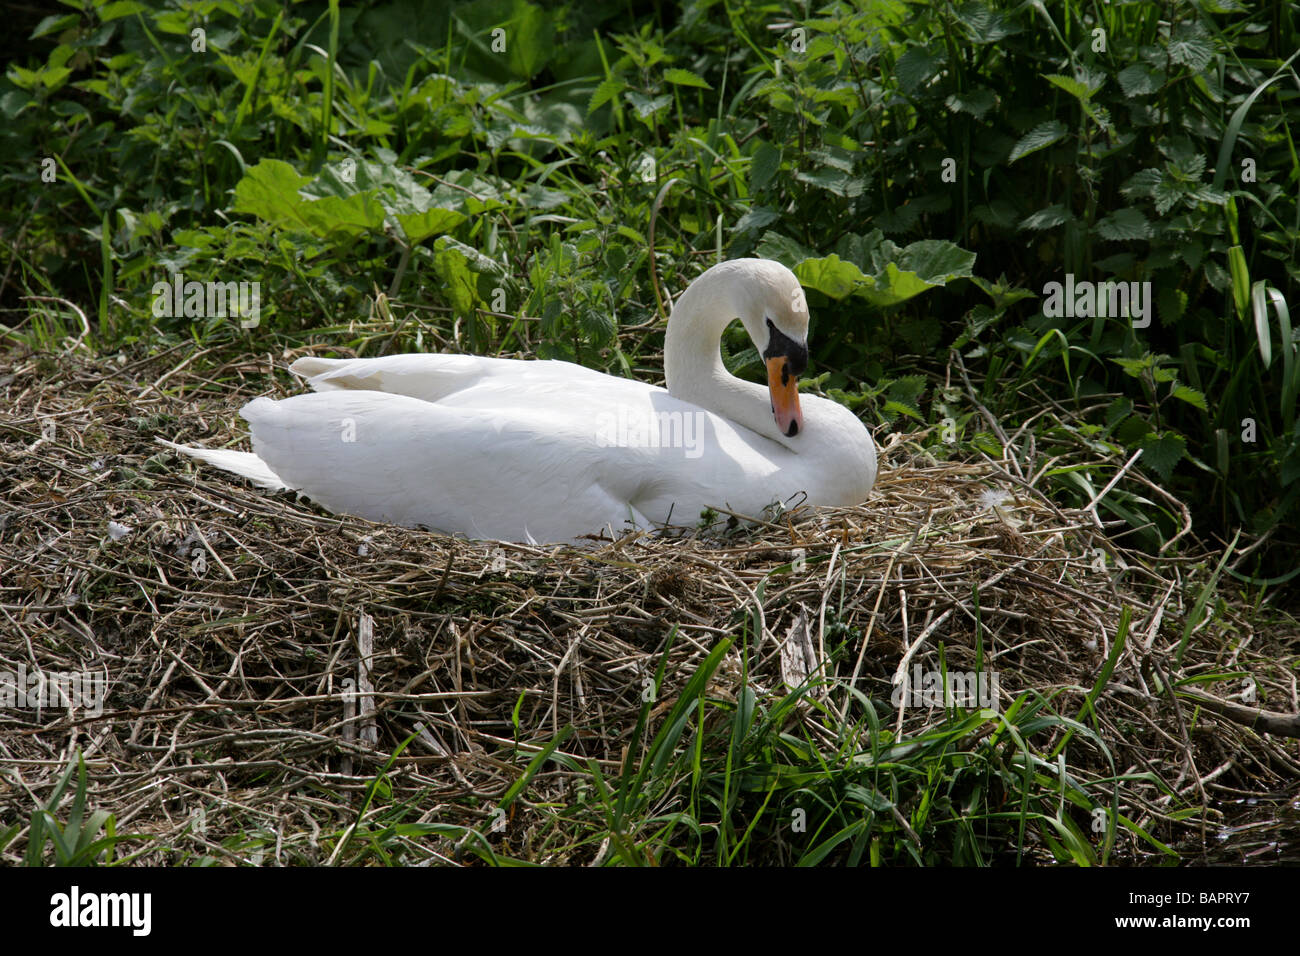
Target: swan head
x=774 y=312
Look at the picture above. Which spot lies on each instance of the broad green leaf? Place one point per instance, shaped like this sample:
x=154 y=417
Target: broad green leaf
x=124 y=8
x=830 y=275
x=680 y=77
x=908 y=390
x=1079 y=91
x=1124 y=224
x=606 y=91
x=914 y=68
x=645 y=106
x=269 y=191
x=758 y=217
x=975 y=102
x=784 y=250
x=458 y=285
x=53 y=24
x=1140 y=80
x=1191 y=396
x=1047 y=218
x=984 y=25
x=1143 y=183
x=529 y=39
x=920 y=266
x=1191 y=46
x=1161 y=452
x=419 y=226
x=833 y=181
x=898 y=408
x=339 y=220
x=937 y=261
x=474 y=260
x=1040 y=137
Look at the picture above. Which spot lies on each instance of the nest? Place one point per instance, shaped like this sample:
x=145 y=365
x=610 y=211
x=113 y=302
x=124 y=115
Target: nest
x=264 y=660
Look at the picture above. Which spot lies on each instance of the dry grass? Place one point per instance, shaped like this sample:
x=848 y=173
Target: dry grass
x=265 y=658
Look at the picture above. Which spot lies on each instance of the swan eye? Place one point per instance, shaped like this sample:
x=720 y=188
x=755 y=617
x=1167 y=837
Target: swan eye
x=780 y=345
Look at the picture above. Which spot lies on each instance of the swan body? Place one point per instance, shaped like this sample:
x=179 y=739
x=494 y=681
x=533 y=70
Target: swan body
x=549 y=451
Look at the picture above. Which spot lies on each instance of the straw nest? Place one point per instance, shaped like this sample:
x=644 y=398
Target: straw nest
x=264 y=659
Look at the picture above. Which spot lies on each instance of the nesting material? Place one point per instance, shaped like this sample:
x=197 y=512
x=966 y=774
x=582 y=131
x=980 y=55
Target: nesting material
x=264 y=659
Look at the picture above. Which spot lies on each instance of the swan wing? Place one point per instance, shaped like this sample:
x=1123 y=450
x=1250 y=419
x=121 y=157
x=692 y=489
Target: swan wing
x=568 y=463
x=433 y=377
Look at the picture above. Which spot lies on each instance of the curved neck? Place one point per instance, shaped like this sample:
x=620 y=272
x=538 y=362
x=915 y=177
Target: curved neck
x=693 y=368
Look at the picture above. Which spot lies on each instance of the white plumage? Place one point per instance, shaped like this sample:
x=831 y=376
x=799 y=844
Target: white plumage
x=549 y=451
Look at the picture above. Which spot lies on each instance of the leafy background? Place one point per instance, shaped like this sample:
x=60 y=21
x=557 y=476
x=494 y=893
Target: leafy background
x=397 y=181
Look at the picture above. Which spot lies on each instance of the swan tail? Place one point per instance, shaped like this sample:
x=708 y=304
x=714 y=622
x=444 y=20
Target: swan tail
x=242 y=463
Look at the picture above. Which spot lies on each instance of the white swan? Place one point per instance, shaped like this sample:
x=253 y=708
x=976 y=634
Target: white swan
x=548 y=451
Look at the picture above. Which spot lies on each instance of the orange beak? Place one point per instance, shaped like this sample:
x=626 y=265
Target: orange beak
x=784 y=386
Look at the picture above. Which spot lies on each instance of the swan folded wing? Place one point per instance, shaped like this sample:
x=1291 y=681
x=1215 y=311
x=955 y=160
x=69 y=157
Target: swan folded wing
x=434 y=377
x=398 y=459
x=542 y=471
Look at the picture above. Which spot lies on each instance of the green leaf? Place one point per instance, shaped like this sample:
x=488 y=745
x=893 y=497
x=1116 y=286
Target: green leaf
x=1162 y=451
x=269 y=191
x=764 y=166
x=1191 y=46
x=758 y=217
x=645 y=106
x=419 y=226
x=608 y=90
x=53 y=24
x=1140 y=80
x=898 y=408
x=914 y=68
x=937 y=261
x=1191 y=396
x=783 y=249
x=984 y=25
x=1047 y=218
x=830 y=275
x=474 y=260
x=833 y=181
x=530 y=39
x=124 y=8
x=1079 y=91
x=1040 y=137
x=1124 y=224
x=459 y=286
x=410 y=204
x=976 y=102
x=907 y=390
x=1240 y=273
x=680 y=77
x=1135 y=367
x=920 y=266
x=1259 y=306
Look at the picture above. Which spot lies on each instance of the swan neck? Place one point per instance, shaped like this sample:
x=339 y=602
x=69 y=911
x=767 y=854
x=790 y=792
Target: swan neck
x=693 y=368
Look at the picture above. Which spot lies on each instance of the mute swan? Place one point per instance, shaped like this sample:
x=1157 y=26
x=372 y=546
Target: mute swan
x=548 y=451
